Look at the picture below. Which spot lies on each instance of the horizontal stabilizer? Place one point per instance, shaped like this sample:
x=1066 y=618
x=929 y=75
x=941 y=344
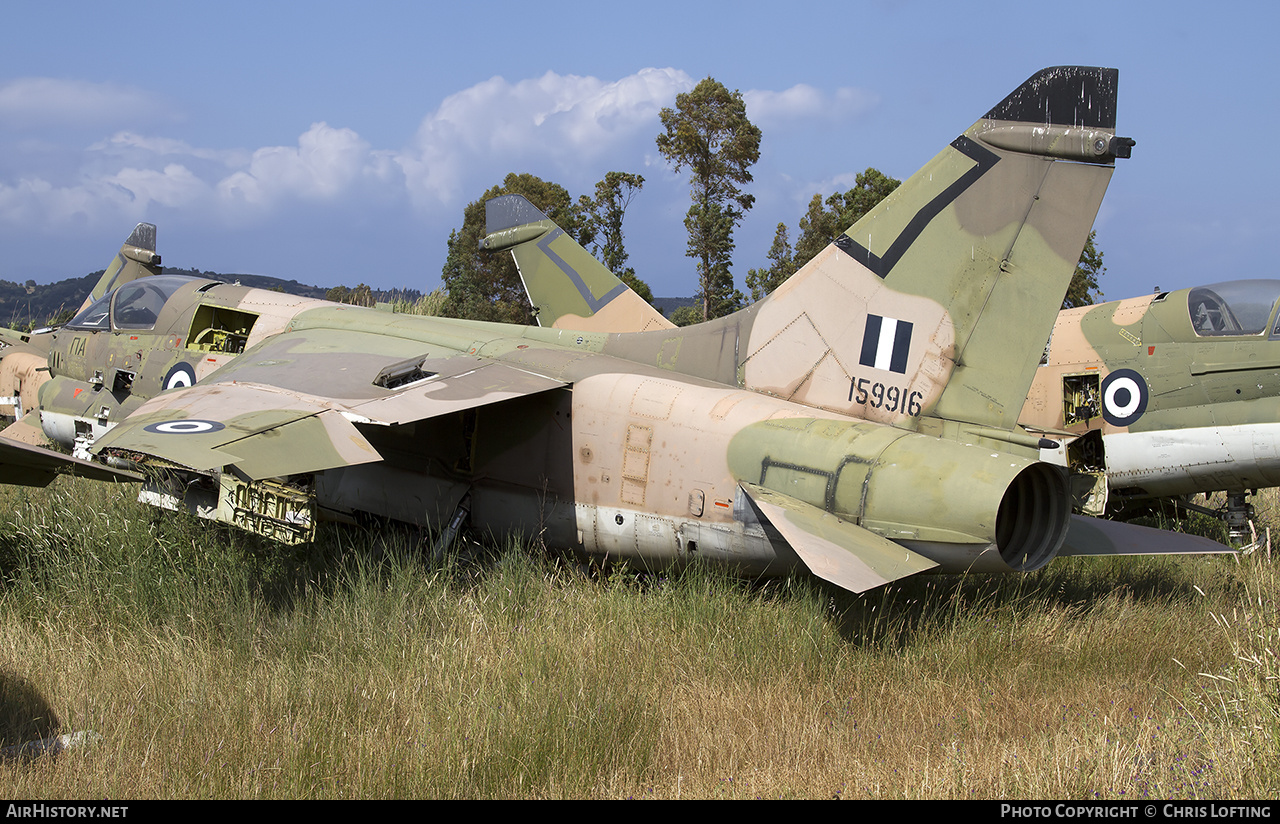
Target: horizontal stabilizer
x=1094 y=536
x=834 y=550
x=37 y=343
x=28 y=465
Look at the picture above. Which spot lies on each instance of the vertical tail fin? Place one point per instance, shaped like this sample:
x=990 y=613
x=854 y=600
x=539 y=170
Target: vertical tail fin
x=939 y=300
x=137 y=258
x=568 y=287
x=936 y=303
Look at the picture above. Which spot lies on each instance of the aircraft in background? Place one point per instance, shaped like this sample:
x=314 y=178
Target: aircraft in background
x=1167 y=395
x=859 y=423
x=24 y=356
x=24 y=369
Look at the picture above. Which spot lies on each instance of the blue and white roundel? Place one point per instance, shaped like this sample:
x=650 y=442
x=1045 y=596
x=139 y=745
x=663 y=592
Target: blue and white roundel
x=187 y=427
x=1124 y=397
x=180 y=375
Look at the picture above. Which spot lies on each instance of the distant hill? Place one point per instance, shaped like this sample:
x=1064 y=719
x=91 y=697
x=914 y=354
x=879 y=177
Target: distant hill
x=24 y=306
x=262 y=282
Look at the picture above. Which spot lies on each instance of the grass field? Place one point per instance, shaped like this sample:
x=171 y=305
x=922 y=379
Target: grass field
x=211 y=665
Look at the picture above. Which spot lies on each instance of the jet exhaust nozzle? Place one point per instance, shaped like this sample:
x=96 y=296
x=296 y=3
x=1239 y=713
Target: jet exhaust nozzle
x=1033 y=517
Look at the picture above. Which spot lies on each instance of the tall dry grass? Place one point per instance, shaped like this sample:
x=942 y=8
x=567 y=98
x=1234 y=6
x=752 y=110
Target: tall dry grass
x=214 y=665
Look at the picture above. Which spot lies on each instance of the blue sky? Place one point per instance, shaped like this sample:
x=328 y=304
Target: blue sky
x=339 y=142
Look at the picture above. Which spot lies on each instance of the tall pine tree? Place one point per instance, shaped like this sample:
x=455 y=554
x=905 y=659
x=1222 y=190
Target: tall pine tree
x=708 y=132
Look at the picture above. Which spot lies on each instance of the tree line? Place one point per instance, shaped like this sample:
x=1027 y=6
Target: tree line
x=708 y=135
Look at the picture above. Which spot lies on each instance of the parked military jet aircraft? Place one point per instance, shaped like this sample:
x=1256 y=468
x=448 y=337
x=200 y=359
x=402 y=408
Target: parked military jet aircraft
x=22 y=370
x=859 y=423
x=1169 y=394
x=1166 y=395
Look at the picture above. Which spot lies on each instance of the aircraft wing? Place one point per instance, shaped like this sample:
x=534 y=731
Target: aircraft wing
x=837 y=551
x=456 y=383
x=262 y=430
x=28 y=465
x=277 y=411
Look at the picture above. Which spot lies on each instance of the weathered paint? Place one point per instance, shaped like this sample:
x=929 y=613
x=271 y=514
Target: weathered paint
x=865 y=406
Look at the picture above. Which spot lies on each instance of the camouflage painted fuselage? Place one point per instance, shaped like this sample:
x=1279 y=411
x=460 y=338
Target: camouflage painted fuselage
x=635 y=460
x=103 y=370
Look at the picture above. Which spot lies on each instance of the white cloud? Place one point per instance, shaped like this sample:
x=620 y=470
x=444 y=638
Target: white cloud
x=38 y=102
x=827 y=186
x=804 y=102
x=567 y=128
x=326 y=164
x=174 y=186
x=128 y=174
x=133 y=144
x=35 y=202
x=564 y=119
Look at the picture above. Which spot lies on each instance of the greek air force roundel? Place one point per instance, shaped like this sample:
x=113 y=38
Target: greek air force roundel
x=180 y=375
x=1124 y=397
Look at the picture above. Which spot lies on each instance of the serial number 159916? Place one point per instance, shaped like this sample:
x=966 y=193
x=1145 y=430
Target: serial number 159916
x=881 y=396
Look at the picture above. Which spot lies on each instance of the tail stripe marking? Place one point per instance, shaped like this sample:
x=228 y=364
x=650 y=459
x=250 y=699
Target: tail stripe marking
x=984 y=160
x=594 y=303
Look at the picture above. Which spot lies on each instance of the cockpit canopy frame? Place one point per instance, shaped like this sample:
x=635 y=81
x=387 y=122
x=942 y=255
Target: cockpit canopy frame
x=134 y=306
x=1234 y=308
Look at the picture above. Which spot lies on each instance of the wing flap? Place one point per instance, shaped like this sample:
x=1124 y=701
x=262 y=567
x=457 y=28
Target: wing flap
x=837 y=551
x=311 y=444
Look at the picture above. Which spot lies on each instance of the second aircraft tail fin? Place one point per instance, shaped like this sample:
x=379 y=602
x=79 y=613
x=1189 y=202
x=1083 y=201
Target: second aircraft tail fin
x=137 y=258
x=567 y=286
